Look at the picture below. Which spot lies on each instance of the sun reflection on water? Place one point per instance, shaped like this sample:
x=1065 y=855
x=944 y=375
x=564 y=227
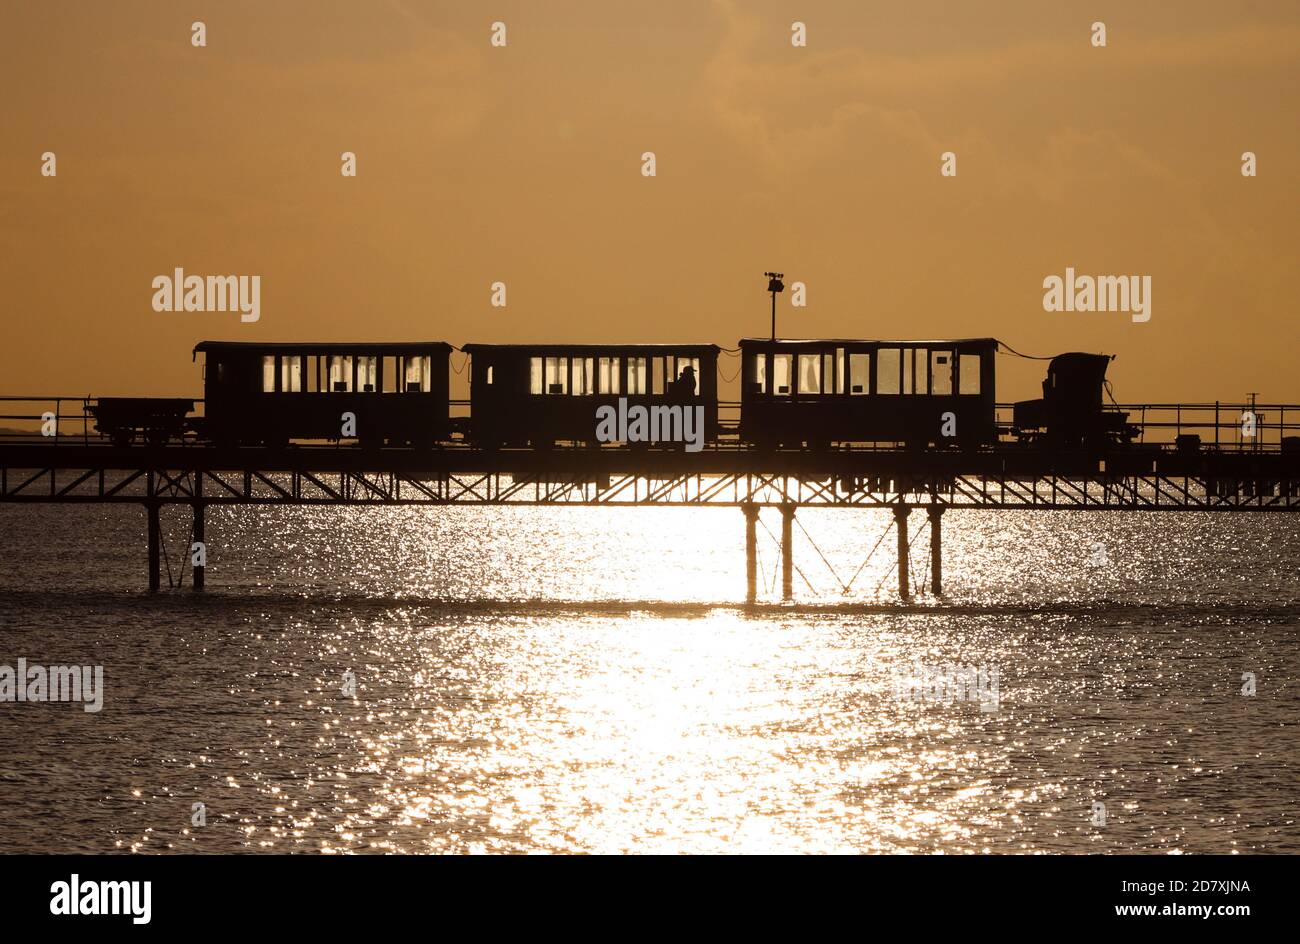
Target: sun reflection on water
x=588 y=681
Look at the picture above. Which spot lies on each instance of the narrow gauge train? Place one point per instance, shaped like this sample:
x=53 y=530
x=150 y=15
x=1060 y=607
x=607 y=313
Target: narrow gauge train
x=811 y=394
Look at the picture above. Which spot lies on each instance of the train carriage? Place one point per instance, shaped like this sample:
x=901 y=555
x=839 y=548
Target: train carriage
x=819 y=392
x=540 y=394
x=269 y=394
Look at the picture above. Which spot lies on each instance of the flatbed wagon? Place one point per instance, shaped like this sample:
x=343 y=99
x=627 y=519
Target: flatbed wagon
x=154 y=419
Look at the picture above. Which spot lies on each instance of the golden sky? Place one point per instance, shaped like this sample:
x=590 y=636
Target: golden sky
x=522 y=164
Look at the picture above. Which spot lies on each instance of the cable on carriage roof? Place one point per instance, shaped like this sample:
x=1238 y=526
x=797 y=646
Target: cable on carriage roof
x=1012 y=350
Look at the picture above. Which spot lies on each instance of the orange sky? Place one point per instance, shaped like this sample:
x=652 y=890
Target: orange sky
x=522 y=164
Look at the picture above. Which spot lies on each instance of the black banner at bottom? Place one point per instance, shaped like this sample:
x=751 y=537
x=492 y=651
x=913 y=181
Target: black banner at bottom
x=233 y=893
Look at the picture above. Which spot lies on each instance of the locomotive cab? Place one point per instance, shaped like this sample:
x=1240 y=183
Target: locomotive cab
x=1071 y=414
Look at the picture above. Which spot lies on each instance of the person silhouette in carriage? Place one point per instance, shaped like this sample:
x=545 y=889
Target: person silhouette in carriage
x=684 y=387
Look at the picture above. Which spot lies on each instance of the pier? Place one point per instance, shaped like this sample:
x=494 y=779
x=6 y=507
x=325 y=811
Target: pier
x=1261 y=475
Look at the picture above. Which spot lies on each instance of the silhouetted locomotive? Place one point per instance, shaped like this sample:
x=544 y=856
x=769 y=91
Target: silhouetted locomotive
x=1071 y=414
x=806 y=394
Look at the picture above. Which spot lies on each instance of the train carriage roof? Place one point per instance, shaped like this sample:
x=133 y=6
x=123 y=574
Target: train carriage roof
x=592 y=348
x=948 y=342
x=367 y=348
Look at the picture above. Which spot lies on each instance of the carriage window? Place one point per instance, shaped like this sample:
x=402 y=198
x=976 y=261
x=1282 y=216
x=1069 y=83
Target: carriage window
x=657 y=376
x=535 y=375
x=839 y=370
x=583 y=370
x=389 y=374
x=557 y=375
x=340 y=374
x=970 y=374
x=291 y=374
x=313 y=374
x=636 y=375
x=941 y=383
x=887 y=370
x=810 y=373
x=367 y=374
x=907 y=370
x=268 y=373
x=489 y=374
x=781 y=367
x=607 y=375
x=758 y=377
x=859 y=374
x=922 y=374
x=417 y=376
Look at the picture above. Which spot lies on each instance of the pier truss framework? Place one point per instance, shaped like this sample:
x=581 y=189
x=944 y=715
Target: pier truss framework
x=577 y=478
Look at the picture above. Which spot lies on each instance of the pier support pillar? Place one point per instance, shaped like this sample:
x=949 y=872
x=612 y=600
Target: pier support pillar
x=936 y=550
x=904 y=576
x=751 y=551
x=787 y=551
x=200 y=569
x=155 y=546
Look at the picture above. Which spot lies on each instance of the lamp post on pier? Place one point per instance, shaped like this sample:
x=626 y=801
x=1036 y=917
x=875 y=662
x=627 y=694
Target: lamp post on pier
x=775 y=286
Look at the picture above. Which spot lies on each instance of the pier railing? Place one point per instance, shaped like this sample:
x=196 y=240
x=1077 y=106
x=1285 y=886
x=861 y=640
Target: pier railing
x=1223 y=427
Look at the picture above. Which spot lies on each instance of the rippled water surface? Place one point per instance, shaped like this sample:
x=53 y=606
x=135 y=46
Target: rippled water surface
x=589 y=680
